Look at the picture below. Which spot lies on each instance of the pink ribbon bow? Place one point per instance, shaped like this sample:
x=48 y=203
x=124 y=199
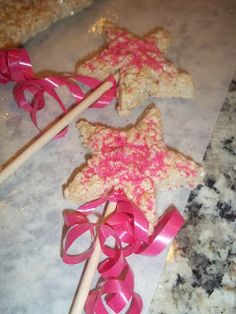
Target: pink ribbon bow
x=15 y=66
x=128 y=226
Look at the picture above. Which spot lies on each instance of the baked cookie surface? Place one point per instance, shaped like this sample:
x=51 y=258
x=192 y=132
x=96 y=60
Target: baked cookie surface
x=135 y=161
x=144 y=71
x=22 y=19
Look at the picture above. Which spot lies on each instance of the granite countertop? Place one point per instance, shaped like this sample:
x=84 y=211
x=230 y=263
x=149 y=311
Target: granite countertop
x=199 y=275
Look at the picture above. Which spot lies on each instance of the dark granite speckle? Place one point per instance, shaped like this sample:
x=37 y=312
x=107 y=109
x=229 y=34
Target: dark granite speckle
x=203 y=256
x=232 y=87
x=226 y=211
x=180 y=280
x=228 y=145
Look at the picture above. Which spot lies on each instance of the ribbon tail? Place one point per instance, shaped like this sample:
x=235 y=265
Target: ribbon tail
x=165 y=231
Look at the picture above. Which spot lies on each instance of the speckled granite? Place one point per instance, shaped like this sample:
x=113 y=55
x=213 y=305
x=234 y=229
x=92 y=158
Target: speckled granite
x=199 y=276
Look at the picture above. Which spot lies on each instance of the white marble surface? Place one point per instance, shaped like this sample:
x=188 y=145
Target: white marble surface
x=33 y=277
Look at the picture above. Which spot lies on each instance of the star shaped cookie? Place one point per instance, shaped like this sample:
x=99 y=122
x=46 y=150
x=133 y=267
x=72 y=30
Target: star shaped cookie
x=135 y=161
x=143 y=69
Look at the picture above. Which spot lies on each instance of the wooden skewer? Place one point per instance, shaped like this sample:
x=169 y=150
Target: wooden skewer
x=56 y=128
x=84 y=287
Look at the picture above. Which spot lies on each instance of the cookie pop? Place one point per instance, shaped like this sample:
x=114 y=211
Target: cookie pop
x=144 y=71
x=135 y=161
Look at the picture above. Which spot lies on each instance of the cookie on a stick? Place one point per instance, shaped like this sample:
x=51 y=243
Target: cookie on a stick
x=144 y=70
x=135 y=161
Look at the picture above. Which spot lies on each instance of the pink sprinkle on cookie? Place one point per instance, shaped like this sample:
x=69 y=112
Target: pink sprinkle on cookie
x=144 y=71
x=135 y=161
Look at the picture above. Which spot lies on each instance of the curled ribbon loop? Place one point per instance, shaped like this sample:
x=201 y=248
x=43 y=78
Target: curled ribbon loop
x=15 y=66
x=78 y=225
x=128 y=226
x=164 y=232
x=118 y=293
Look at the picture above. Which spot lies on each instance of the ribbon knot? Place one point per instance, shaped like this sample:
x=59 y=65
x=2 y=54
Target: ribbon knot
x=128 y=226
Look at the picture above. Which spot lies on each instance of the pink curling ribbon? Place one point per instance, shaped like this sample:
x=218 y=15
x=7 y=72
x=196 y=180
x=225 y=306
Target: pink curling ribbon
x=15 y=66
x=128 y=226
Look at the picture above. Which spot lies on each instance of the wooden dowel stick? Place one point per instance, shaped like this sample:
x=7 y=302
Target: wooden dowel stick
x=56 y=128
x=84 y=287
